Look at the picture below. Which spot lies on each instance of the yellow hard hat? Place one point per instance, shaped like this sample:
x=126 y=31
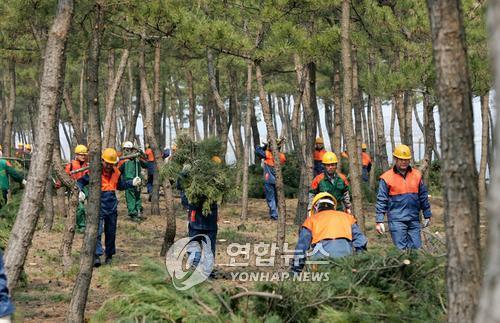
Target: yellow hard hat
x=364 y=146
x=402 y=152
x=329 y=158
x=174 y=147
x=1 y=147
x=27 y=146
x=319 y=140
x=217 y=160
x=110 y=156
x=81 y=150
x=20 y=145
x=323 y=196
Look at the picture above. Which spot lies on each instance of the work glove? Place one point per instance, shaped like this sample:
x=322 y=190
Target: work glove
x=81 y=196
x=24 y=181
x=380 y=227
x=426 y=223
x=136 y=181
x=348 y=211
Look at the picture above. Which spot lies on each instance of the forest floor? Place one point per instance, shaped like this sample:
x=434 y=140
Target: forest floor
x=48 y=291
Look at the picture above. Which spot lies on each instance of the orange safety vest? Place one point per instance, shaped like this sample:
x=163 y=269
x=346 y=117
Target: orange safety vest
x=398 y=185
x=318 y=154
x=365 y=157
x=149 y=153
x=330 y=224
x=109 y=182
x=74 y=165
x=270 y=159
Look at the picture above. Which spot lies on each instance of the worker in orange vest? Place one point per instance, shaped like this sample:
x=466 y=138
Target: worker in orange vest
x=331 y=233
x=264 y=152
x=366 y=163
x=151 y=166
x=402 y=195
x=319 y=151
x=80 y=161
x=111 y=180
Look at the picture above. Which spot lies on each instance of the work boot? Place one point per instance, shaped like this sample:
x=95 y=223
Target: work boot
x=108 y=260
x=97 y=262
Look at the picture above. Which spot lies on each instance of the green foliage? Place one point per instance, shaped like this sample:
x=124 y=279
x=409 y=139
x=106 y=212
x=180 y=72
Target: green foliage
x=7 y=218
x=365 y=288
x=204 y=181
x=435 y=186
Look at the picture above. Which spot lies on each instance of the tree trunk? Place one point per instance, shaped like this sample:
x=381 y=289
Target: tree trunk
x=149 y=128
x=50 y=103
x=393 y=123
x=350 y=136
x=485 y=100
x=170 y=227
x=430 y=136
x=82 y=103
x=69 y=231
x=461 y=207
x=11 y=104
x=157 y=103
x=381 y=150
x=238 y=142
x=356 y=104
x=248 y=146
x=337 y=110
x=489 y=311
x=109 y=136
x=303 y=193
x=73 y=120
x=255 y=128
x=266 y=110
x=133 y=121
x=79 y=295
x=221 y=109
x=48 y=204
x=410 y=102
x=192 y=104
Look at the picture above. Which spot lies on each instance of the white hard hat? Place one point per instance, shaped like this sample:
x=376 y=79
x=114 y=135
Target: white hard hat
x=127 y=144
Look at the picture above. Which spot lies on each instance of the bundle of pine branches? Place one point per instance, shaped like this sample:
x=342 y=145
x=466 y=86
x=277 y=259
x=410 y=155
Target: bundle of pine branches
x=204 y=181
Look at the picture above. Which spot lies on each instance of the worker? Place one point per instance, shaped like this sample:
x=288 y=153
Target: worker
x=264 y=152
x=20 y=151
x=319 y=151
x=151 y=166
x=333 y=182
x=366 y=163
x=80 y=161
x=402 y=195
x=6 y=170
x=130 y=169
x=331 y=233
x=6 y=306
x=111 y=180
x=200 y=224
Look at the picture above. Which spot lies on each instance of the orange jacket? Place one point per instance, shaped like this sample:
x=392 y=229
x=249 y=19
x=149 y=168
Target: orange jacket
x=150 y=154
x=270 y=159
x=75 y=165
x=318 y=154
x=330 y=224
x=366 y=159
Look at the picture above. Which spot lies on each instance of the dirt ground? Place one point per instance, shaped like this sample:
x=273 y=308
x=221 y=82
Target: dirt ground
x=48 y=291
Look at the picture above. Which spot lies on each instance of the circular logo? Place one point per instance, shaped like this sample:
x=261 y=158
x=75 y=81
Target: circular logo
x=190 y=261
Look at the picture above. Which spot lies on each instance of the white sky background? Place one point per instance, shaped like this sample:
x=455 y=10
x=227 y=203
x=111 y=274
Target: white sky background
x=386 y=110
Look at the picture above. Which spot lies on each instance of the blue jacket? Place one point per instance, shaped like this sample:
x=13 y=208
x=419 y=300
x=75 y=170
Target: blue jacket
x=269 y=173
x=199 y=221
x=6 y=307
x=109 y=202
x=402 y=197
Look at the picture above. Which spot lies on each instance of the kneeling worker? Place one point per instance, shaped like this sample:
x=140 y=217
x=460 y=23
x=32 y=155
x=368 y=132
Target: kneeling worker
x=331 y=233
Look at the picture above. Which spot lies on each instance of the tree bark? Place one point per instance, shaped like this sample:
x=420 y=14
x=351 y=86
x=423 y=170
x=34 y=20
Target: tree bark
x=79 y=295
x=192 y=104
x=73 y=120
x=337 y=110
x=109 y=136
x=461 y=207
x=48 y=204
x=410 y=102
x=238 y=142
x=488 y=310
x=350 y=136
x=50 y=103
x=485 y=134
x=221 y=109
x=8 y=143
x=393 y=123
x=133 y=121
x=381 y=150
x=149 y=129
x=248 y=146
x=81 y=122
x=429 y=136
x=356 y=105
x=266 y=110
